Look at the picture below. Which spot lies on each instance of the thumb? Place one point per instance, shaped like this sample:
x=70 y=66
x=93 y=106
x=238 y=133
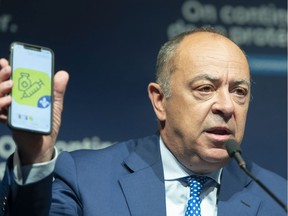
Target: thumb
x=60 y=83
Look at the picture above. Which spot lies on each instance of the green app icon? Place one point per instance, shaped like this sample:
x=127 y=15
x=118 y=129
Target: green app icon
x=30 y=86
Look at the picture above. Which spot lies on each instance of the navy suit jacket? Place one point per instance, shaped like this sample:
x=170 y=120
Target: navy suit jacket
x=127 y=179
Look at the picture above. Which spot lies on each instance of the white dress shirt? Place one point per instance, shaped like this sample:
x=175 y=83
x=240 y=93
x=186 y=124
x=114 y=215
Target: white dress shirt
x=32 y=173
x=178 y=192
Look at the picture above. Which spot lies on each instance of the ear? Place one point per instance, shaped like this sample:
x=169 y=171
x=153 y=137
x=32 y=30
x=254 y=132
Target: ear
x=157 y=100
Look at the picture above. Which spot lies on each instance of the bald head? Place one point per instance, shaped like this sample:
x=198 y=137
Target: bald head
x=195 y=40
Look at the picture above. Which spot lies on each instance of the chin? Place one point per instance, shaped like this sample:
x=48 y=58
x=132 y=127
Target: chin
x=216 y=156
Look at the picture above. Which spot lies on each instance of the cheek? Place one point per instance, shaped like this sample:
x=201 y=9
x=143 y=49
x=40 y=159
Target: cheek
x=191 y=116
x=186 y=114
x=241 y=122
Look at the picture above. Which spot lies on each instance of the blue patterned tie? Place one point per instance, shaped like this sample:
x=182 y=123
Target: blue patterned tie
x=196 y=183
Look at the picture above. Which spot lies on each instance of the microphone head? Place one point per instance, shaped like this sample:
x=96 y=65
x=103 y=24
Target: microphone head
x=232 y=147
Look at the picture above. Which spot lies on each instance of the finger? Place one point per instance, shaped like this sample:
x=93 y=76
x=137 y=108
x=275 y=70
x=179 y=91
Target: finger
x=3 y=115
x=60 y=83
x=5 y=72
x=4 y=103
x=5 y=88
x=3 y=63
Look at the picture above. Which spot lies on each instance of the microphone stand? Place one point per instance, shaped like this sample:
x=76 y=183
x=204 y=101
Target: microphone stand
x=244 y=168
x=234 y=151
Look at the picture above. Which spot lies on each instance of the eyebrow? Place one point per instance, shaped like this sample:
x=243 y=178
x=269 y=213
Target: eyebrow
x=204 y=77
x=215 y=79
x=242 y=81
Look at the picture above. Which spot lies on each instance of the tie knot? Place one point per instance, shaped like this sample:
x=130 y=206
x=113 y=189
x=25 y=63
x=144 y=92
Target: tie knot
x=196 y=184
x=198 y=179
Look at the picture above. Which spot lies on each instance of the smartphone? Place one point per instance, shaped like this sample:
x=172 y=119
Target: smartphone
x=32 y=97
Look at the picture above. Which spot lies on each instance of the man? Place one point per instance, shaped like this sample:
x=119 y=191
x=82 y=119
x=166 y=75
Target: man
x=201 y=99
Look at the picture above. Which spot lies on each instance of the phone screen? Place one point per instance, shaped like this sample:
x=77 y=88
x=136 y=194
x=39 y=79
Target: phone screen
x=32 y=74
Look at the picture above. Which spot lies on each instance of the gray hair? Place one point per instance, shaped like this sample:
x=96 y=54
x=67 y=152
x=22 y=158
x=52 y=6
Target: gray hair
x=165 y=64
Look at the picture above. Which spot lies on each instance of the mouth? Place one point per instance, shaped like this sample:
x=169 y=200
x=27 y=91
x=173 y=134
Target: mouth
x=219 y=131
x=219 y=134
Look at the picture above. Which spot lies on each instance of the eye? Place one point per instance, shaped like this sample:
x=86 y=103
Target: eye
x=241 y=91
x=205 y=88
x=240 y=94
x=204 y=92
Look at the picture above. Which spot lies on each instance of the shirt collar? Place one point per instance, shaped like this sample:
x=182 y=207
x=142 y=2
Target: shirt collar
x=173 y=169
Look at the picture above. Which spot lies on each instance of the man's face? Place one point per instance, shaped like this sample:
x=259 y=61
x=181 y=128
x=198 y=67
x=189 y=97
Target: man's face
x=210 y=92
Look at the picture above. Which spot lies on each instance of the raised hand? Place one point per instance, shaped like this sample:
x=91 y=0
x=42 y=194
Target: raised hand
x=33 y=148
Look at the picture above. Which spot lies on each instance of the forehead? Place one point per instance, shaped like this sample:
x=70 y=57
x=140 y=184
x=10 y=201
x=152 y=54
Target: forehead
x=206 y=52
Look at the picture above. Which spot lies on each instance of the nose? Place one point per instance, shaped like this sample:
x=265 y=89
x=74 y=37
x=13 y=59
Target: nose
x=224 y=105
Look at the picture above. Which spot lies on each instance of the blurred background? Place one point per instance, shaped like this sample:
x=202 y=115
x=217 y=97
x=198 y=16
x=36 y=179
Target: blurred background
x=110 y=49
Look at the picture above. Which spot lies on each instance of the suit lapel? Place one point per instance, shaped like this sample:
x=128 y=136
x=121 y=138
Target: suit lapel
x=234 y=198
x=144 y=187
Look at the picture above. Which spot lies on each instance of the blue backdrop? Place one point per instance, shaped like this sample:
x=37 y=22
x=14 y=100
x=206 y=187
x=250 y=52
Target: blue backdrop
x=110 y=48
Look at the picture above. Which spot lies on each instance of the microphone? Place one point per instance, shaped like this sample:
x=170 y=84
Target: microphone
x=234 y=151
